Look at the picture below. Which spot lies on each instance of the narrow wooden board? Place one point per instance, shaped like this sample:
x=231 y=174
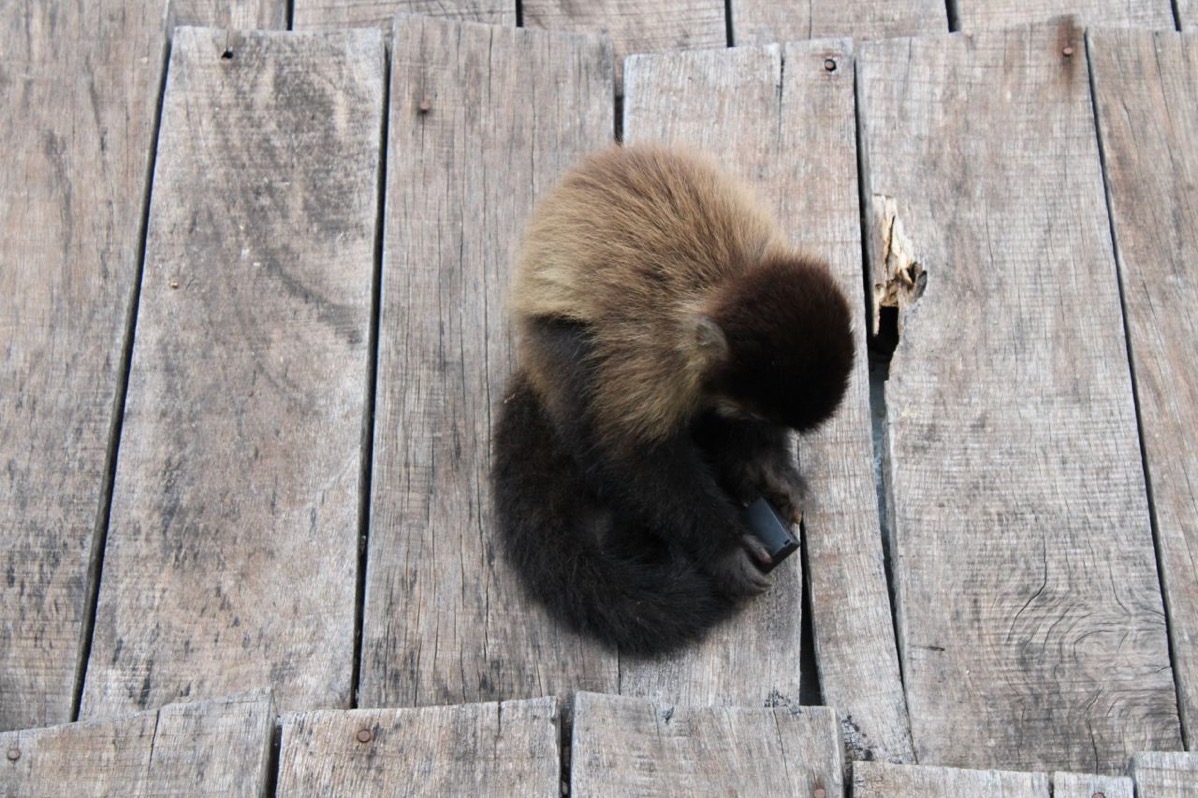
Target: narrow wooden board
x=78 y=98
x=1165 y=774
x=381 y=13
x=1077 y=785
x=880 y=780
x=216 y=748
x=766 y=21
x=499 y=749
x=236 y=14
x=233 y=547
x=633 y=747
x=1030 y=615
x=508 y=111
x=635 y=26
x=1152 y=174
x=974 y=15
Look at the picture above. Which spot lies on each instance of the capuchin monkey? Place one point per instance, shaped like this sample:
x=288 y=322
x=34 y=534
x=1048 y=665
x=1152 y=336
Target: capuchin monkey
x=670 y=341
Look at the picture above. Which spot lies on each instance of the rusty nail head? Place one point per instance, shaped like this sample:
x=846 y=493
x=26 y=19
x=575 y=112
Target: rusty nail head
x=365 y=735
x=1068 y=49
x=425 y=106
x=1099 y=795
x=14 y=754
x=830 y=64
x=820 y=792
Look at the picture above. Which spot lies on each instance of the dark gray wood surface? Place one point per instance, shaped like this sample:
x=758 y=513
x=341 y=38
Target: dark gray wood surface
x=1152 y=173
x=233 y=550
x=1030 y=616
x=765 y=21
x=633 y=747
x=506 y=112
x=496 y=749
x=217 y=748
x=78 y=97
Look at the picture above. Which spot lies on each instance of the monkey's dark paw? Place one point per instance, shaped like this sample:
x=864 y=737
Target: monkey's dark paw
x=736 y=573
x=784 y=488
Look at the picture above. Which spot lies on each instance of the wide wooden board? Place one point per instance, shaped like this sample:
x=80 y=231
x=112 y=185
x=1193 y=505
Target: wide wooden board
x=1152 y=175
x=78 y=97
x=381 y=13
x=505 y=113
x=1168 y=774
x=765 y=21
x=1079 y=785
x=217 y=748
x=233 y=549
x=500 y=749
x=880 y=780
x=633 y=25
x=235 y=14
x=633 y=747
x=974 y=15
x=1030 y=617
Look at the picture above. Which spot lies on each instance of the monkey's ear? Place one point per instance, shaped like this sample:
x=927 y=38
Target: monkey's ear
x=712 y=342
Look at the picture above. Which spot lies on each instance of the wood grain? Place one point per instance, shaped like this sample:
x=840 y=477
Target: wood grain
x=237 y=14
x=974 y=15
x=1165 y=775
x=1152 y=175
x=508 y=111
x=1030 y=616
x=879 y=780
x=766 y=21
x=633 y=747
x=1077 y=785
x=78 y=97
x=217 y=748
x=233 y=548
x=1187 y=14
x=380 y=13
x=635 y=26
x=499 y=749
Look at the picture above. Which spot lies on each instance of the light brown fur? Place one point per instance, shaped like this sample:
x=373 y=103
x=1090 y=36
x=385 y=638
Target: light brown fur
x=637 y=243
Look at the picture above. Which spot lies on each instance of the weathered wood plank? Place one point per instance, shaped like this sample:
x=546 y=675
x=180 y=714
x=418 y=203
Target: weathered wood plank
x=817 y=190
x=233 y=547
x=974 y=15
x=381 y=13
x=1165 y=774
x=1152 y=174
x=216 y=748
x=635 y=26
x=629 y=746
x=78 y=98
x=508 y=111
x=1030 y=616
x=1078 y=785
x=765 y=21
x=499 y=749
x=879 y=780
x=237 y=14
x=1187 y=14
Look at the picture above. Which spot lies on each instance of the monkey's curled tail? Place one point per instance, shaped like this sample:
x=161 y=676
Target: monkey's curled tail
x=600 y=574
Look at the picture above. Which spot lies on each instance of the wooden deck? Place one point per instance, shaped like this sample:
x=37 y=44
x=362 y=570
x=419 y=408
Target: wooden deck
x=252 y=291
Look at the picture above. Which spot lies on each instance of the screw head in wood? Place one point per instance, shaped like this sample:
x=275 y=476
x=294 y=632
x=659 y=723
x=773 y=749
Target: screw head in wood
x=13 y=754
x=1098 y=795
x=365 y=735
x=820 y=792
x=1068 y=51
x=830 y=64
x=426 y=105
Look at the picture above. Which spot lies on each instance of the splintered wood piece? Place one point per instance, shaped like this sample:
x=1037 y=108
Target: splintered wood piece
x=635 y=26
x=219 y=747
x=976 y=15
x=1152 y=173
x=1079 y=785
x=78 y=99
x=499 y=749
x=483 y=121
x=880 y=780
x=233 y=546
x=1167 y=774
x=235 y=14
x=630 y=746
x=766 y=21
x=1030 y=617
x=381 y=13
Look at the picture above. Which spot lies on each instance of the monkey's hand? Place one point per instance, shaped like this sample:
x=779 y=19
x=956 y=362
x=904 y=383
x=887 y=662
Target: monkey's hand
x=736 y=573
x=782 y=485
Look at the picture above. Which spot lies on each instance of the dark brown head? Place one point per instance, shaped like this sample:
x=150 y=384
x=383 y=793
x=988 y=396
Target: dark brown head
x=781 y=343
